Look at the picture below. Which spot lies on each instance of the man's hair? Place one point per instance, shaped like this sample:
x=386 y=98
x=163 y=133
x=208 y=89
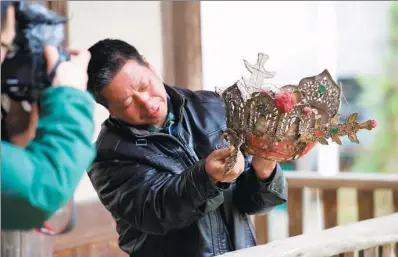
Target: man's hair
x=4 y=8
x=108 y=56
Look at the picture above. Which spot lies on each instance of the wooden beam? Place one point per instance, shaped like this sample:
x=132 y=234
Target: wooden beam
x=348 y=180
x=182 y=47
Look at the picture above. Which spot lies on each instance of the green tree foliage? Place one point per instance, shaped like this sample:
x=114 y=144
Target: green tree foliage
x=381 y=94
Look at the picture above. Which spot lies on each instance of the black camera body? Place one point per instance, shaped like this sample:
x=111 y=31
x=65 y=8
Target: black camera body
x=24 y=76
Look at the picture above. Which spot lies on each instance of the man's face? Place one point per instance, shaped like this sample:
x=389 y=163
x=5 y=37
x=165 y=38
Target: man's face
x=137 y=95
x=7 y=32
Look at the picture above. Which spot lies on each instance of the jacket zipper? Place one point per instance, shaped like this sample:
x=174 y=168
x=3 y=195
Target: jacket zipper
x=193 y=157
x=191 y=153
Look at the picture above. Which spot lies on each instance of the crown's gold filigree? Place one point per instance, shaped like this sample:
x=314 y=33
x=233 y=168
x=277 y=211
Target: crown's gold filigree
x=286 y=123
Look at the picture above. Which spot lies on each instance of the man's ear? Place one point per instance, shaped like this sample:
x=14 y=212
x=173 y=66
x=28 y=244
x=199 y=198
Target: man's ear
x=110 y=110
x=145 y=59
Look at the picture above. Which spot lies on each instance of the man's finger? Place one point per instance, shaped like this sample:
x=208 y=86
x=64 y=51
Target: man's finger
x=221 y=154
x=232 y=175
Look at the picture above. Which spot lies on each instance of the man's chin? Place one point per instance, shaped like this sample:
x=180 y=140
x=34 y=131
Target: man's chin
x=158 y=121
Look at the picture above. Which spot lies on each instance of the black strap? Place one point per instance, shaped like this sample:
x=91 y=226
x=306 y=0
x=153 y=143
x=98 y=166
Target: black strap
x=54 y=71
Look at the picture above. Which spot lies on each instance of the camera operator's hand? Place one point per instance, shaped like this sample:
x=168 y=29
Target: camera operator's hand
x=72 y=73
x=215 y=165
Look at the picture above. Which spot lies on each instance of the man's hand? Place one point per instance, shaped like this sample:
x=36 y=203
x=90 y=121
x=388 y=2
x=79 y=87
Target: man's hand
x=263 y=167
x=215 y=166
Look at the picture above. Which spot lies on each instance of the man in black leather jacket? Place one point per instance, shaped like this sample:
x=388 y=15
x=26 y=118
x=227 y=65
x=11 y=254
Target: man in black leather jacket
x=160 y=165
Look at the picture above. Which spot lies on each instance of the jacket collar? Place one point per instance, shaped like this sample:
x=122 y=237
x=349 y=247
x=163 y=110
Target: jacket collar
x=178 y=102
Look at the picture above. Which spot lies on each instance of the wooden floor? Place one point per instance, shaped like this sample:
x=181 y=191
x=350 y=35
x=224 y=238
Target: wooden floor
x=94 y=235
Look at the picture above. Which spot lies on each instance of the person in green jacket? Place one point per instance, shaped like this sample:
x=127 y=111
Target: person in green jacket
x=49 y=147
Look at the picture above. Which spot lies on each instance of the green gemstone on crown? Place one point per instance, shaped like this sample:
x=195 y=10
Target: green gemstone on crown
x=334 y=131
x=322 y=89
x=265 y=100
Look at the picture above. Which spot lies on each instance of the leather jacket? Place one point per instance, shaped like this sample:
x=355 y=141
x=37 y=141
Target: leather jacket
x=156 y=188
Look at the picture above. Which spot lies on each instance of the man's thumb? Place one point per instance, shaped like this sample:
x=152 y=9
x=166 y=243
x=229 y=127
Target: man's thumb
x=51 y=54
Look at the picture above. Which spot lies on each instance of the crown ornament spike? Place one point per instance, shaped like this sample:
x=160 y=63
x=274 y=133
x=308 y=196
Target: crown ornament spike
x=258 y=74
x=284 y=124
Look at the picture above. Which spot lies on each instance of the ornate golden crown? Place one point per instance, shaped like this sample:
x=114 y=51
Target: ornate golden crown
x=286 y=123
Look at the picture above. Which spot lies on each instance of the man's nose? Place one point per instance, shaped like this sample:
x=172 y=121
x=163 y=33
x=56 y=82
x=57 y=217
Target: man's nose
x=145 y=101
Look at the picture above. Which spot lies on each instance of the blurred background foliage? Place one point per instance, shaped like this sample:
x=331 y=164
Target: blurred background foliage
x=381 y=95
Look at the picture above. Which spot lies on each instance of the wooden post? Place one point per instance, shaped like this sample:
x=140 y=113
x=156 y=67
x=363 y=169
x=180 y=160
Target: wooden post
x=25 y=244
x=61 y=7
x=182 y=48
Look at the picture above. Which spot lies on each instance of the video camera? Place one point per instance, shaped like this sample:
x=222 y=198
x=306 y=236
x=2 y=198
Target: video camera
x=24 y=76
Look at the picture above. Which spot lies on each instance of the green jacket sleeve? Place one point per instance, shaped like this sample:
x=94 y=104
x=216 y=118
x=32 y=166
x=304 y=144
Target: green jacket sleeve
x=38 y=180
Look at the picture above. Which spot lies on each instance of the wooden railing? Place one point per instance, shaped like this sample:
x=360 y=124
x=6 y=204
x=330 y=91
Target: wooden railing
x=364 y=184
x=375 y=237
x=95 y=233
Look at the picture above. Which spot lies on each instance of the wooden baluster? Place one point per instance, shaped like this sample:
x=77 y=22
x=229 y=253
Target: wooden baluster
x=388 y=251
x=370 y=252
x=329 y=199
x=261 y=225
x=365 y=201
x=295 y=211
x=396 y=249
x=395 y=200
